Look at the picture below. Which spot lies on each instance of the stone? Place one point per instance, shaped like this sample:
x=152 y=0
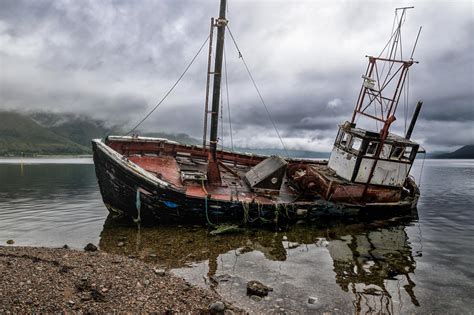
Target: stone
x=312 y=300
x=159 y=272
x=10 y=242
x=292 y=245
x=257 y=288
x=146 y=282
x=121 y=244
x=301 y=212
x=70 y=302
x=65 y=246
x=90 y=248
x=217 y=307
x=285 y=238
x=255 y=298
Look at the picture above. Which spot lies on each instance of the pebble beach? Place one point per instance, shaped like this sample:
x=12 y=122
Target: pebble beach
x=52 y=280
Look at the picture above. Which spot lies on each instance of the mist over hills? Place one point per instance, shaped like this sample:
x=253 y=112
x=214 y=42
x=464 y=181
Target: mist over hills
x=45 y=133
x=465 y=152
x=21 y=135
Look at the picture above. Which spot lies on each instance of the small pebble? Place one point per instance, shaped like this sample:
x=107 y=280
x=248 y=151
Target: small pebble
x=159 y=272
x=217 y=307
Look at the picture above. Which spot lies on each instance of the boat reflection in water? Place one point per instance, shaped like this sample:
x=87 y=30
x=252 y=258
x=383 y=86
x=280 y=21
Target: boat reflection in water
x=371 y=261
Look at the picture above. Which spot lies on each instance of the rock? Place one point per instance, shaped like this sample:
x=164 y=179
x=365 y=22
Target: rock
x=70 y=302
x=255 y=298
x=153 y=255
x=257 y=288
x=301 y=212
x=97 y=295
x=285 y=238
x=159 y=272
x=104 y=290
x=292 y=245
x=65 y=246
x=10 y=242
x=83 y=284
x=312 y=300
x=90 y=248
x=122 y=238
x=217 y=307
x=121 y=244
x=146 y=282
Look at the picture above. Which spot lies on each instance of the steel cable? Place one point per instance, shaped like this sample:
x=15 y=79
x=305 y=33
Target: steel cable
x=170 y=90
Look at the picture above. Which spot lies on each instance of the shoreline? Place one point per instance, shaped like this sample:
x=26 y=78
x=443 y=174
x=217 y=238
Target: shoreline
x=40 y=279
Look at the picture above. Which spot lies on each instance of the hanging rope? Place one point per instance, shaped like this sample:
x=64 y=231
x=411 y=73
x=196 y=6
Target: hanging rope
x=258 y=91
x=170 y=90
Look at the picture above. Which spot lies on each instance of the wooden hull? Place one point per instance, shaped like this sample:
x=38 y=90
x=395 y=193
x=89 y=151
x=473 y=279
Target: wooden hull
x=129 y=190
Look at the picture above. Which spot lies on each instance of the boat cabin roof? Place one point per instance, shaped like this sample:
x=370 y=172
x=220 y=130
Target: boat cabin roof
x=370 y=135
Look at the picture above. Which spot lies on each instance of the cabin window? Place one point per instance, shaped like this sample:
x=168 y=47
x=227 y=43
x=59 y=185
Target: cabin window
x=356 y=143
x=372 y=148
x=345 y=139
x=397 y=152
x=386 y=149
x=407 y=153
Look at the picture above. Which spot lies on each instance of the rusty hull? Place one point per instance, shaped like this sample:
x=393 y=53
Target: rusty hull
x=129 y=168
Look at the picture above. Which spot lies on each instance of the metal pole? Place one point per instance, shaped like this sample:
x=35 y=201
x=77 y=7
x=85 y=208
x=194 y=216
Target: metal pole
x=221 y=24
x=413 y=120
x=206 y=105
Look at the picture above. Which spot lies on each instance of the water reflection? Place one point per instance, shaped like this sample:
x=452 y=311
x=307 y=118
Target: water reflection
x=370 y=262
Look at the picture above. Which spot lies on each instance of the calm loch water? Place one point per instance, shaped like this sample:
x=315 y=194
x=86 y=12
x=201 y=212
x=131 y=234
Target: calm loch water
x=419 y=263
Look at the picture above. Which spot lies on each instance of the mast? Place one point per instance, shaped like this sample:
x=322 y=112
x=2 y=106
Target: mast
x=221 y=22
x=216 y=93
x=208 y=80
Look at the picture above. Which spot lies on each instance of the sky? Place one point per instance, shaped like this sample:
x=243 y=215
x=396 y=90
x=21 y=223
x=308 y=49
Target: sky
x=114 y=60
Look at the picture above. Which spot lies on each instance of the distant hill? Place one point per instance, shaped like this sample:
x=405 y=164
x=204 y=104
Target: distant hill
x=19 y=134
x=77 y=128
x=180 y=137
x=465 y=152
x=44 y=133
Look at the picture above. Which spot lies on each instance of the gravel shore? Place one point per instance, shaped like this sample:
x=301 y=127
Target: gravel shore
x=54 y=280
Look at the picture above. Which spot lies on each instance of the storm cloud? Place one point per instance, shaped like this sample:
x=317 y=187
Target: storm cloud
x=114 y=60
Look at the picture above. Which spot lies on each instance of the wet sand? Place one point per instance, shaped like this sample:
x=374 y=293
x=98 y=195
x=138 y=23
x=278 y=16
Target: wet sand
x=35 y=279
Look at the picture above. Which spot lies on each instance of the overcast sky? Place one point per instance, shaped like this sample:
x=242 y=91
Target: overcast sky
x=114 y=60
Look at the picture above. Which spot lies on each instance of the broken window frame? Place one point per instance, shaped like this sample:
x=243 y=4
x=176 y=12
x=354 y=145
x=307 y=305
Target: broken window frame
x=397 y=152
x=372 y=148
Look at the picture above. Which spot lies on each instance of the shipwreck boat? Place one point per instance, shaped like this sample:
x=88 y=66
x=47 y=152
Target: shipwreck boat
x=158 y=180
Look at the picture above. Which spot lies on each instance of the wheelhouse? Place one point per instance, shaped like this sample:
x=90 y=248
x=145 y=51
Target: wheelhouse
x=355 y=152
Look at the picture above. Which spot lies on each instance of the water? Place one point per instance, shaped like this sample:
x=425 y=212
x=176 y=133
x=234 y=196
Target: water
x=420 y=263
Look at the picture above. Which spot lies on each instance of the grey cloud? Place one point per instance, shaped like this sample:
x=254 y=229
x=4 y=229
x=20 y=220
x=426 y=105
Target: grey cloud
x=114 y=60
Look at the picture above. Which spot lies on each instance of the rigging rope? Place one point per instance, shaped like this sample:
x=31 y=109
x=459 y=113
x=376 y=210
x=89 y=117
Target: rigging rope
x=258 y=91
x=171 y=89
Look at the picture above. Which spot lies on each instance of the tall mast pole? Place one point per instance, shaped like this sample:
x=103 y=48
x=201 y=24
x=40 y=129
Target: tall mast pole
x=213 y=173
x=216 y=93
x=208 y=81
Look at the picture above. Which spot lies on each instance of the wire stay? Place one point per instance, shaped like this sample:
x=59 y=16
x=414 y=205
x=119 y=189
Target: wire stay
x=258 y=91
x=170 y=90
